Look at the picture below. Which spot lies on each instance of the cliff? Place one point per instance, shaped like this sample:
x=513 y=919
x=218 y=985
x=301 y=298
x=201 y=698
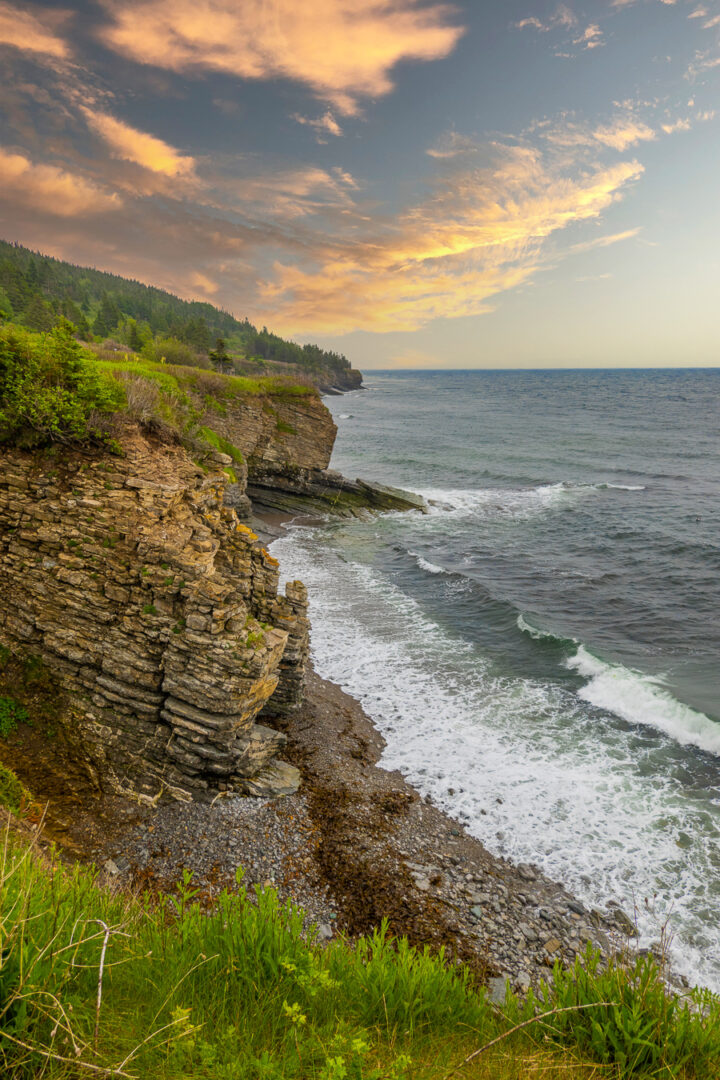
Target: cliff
x=157 y=610
x=128 y=568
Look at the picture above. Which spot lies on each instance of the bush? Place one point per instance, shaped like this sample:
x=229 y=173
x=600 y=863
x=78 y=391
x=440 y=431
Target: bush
x=170 y=350
x=49 y=387
x=642 y=1030
x=13 y=794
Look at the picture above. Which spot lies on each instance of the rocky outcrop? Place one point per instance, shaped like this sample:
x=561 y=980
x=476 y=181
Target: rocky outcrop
x=157 y=609
x=324 y=491
x=286 y=441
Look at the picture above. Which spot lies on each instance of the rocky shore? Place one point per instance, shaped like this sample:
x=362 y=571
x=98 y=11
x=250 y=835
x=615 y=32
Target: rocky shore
x=355 y=845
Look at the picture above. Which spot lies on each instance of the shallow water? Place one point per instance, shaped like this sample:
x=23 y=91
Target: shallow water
x=541 y=650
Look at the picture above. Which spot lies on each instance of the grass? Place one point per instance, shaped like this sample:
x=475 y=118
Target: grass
x=53 y=390
x=99 y=982
x=181 y=379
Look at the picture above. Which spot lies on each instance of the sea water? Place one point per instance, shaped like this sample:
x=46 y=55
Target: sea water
x=541 y=650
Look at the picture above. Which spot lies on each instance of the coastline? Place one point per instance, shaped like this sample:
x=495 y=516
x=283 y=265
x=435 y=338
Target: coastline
x=355 y=845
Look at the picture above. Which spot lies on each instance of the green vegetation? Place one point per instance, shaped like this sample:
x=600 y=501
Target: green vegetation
x=11 y=714
x=54 y=390
x=98 y=982
x=49 y=390
x=37 y=291
x=14 y=796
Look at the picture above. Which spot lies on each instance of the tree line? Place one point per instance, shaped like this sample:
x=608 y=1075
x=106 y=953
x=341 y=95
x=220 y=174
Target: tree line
x=38 y=291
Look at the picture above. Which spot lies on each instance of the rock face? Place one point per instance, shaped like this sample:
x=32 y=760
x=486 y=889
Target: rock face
x=287 y=442
x=157 y=609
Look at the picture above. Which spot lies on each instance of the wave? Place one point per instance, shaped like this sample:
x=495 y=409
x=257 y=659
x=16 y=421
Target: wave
x=542 y=635
x=431 y=568
x=633 y=696
x=518 y=759
x=514 y=502
x=640 y=699
x=345 y=416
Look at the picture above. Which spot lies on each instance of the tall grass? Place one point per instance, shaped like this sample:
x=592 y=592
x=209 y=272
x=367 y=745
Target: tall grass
x=98 y=982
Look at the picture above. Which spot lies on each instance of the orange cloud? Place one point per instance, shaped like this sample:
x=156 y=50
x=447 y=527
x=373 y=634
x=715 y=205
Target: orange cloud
x=132 y=145
x=50 y=189
x=202 y=281
x=24 y=31
x=342 y=49
x=481 y=234
x=623 y=132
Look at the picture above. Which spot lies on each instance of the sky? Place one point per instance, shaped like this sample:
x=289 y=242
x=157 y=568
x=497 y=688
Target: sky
x=415 y=184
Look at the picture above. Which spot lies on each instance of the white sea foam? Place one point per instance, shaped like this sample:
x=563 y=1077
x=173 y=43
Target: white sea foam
x=634 y=696
x=534 y=632
x=534 y=773
x=430 y=567
x=513 y=502
x=345 y=416
x=639 y=699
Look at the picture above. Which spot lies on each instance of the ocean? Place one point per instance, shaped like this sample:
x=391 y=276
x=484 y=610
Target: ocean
x=542 y=650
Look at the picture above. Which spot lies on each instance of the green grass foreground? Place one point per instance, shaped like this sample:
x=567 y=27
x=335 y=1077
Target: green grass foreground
x=96 y=982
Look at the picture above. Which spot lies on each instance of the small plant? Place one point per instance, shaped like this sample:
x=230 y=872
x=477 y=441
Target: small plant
x=149 y=609
x=11 y=714
x=13 y=794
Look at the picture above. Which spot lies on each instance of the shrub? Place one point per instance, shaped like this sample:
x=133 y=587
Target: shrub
x=645 y=1030
x=49 y=387
x=170 y=350
x=13 y=794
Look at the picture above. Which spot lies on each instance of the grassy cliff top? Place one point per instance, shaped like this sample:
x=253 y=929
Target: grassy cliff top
x=52 y=389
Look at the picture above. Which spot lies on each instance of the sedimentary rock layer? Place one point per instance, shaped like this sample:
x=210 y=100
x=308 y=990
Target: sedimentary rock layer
x=155 y=607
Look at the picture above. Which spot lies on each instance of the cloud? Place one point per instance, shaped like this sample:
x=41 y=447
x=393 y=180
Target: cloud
x=202 y=281
x=622 y=132
x=324 y=125
x=142 y=149
x=563 y=18
x=606 y=241
x=50 y=189
x=281 y=195
x=343 y=50
x=25 y=31
x=591 y=37
x=484 y=231
x=677 y=125
x=451 y=145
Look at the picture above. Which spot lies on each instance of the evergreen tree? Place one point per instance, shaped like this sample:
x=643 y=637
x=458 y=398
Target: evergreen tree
x=38 y=314
x=6 y=308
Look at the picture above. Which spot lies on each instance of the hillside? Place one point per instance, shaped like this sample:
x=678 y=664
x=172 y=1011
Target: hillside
x=36 y=290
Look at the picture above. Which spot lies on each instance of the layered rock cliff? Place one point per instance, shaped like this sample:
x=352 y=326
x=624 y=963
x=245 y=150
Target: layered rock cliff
x=158 y=611
x=135 y=578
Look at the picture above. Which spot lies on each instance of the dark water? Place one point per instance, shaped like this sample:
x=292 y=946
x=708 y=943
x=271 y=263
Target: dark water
x=549 y=635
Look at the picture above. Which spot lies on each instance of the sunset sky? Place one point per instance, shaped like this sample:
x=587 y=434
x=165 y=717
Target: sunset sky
x=476 y=184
